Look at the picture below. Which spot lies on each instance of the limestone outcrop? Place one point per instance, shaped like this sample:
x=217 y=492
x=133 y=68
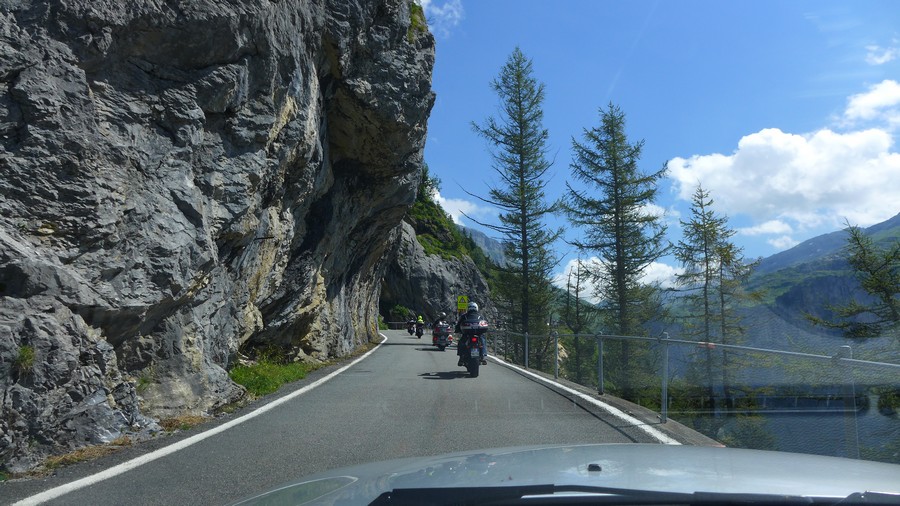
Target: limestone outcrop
x=181 y=179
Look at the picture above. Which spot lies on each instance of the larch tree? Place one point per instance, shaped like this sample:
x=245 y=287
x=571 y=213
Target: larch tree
x=519 y=150
x=611 y=204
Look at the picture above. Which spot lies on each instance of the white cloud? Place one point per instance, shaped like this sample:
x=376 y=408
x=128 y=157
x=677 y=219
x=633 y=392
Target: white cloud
x=661 y=273
x=880 y=104
x=791 y=183
x=657 y=272
x=456 y=207
x=767 y=228
x=877 y=55
x=653 y=210
x=784 y=242
x=442 y=18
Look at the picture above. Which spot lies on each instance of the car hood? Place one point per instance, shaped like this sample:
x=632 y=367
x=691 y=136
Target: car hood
x=662 y=468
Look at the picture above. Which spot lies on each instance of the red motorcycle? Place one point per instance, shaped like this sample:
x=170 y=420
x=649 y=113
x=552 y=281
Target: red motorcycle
x=442 y=335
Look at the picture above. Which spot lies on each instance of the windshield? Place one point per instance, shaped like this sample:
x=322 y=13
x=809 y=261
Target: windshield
x=570 y=247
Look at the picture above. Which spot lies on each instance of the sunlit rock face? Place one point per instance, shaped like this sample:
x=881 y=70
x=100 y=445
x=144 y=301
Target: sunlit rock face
x=180 y=179
x=429 y=284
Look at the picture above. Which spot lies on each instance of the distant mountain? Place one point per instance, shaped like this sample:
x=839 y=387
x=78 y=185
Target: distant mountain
x=824 y=247
x=491 y=247
x=809 y=277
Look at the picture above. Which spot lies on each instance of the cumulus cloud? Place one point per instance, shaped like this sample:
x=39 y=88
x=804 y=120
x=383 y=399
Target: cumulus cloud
x=784 y=242
x=442 y=16
x=877 y=55
x=456 y=207
x=791 y=182
x=880 y=104
x=657 y=272
x=767 y=228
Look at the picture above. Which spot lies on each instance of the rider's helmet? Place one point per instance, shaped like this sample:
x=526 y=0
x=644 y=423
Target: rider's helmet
x=472 y=307
x=420 y=320
x=443 y=316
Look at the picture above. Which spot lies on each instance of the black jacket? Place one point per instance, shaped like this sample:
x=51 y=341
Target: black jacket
x=469 y=316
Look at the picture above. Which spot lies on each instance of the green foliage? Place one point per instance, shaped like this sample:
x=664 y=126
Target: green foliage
x=520 y=154
x=888 y=399
x=272 y=369
x=400 y=313
x=439 y=236
x=25 y=359
x=417 y=23
x=608 y=205
x=878 y=271
x=266 y=377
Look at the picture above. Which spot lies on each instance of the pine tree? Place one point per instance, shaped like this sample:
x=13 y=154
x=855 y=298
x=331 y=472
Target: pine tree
x=578 y=316
x=618 y=228
x=519 y=143
x=714 y=269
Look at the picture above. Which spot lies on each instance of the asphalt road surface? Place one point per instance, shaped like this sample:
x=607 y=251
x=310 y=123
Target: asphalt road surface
x=405 y=399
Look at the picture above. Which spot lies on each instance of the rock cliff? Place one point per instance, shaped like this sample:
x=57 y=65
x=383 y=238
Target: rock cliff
x=429 y=284
x=180 y=179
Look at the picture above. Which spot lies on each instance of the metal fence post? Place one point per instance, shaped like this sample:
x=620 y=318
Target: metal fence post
x=526 y=349
x=664 y=405
x=851 y=429
x=556 y=365
x=599 y=337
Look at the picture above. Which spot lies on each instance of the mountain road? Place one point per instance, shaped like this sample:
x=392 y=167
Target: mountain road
x=404 y=399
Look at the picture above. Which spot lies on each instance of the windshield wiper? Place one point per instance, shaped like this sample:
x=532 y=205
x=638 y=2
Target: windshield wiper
x=584 y=494
x=534 y=494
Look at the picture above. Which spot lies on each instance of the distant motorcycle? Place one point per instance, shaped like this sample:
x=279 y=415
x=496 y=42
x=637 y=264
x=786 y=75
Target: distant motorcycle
x=442 y=335
x=420 y=329
x=411 y=327
x=471 y=340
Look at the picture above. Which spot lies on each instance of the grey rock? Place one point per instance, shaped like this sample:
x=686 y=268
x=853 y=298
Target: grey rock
x=178 y=184
x=429 y=284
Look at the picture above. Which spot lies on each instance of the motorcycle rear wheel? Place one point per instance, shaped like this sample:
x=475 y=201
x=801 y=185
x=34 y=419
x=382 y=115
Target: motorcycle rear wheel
x=473 y=365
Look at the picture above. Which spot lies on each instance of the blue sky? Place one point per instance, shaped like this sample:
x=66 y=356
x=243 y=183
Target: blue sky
x=788 y=112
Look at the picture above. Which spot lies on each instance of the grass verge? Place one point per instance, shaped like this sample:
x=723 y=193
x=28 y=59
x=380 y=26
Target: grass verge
x=266 y=377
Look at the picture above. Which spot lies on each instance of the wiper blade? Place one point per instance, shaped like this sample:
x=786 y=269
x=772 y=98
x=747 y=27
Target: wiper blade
x=570 y=494
x=515 y=494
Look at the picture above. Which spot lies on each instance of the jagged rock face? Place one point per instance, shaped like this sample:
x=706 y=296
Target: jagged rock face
x=181 y=179
x=429 y=284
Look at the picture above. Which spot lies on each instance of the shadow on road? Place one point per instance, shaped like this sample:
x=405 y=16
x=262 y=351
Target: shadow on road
x=444 y=375
x=412 y=342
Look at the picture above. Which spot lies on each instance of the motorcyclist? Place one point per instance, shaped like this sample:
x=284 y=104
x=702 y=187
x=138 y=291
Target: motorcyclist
x=420 y=326
x=440 y=319
x=435 y=327
x=471 y=314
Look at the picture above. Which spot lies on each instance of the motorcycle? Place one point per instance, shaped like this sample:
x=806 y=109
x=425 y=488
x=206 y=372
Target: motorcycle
x=442 y=335
x=473 y=332
x=420 y=329
x=411 y=327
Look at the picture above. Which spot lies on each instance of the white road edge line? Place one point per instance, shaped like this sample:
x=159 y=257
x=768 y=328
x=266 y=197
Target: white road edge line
x=53 y=493
x=616 y=412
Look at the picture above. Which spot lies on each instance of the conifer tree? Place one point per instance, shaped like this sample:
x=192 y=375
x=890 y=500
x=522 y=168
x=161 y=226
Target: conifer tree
x=520 y=159
x=609 y=203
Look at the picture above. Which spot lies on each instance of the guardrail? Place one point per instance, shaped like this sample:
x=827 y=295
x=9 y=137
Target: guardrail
x=517 y=348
